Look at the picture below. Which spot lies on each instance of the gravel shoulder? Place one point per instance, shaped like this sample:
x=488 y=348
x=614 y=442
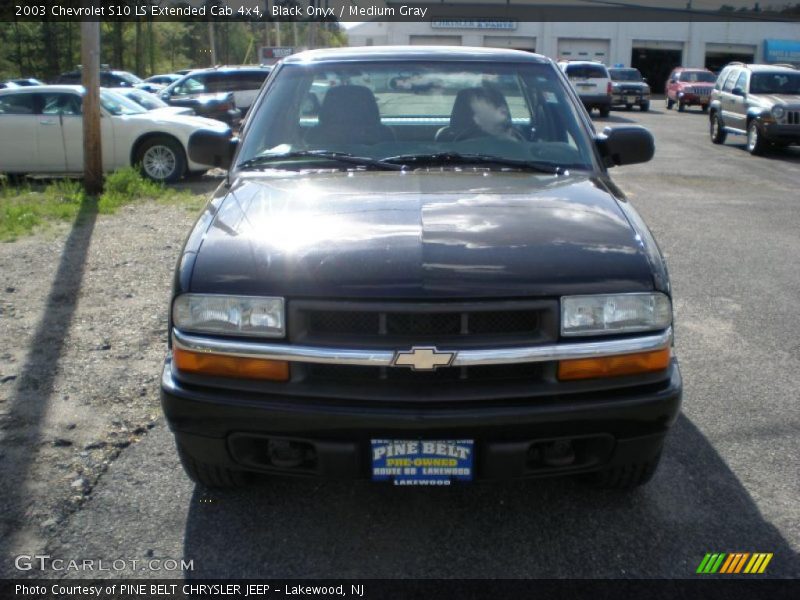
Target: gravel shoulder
x=83 y=313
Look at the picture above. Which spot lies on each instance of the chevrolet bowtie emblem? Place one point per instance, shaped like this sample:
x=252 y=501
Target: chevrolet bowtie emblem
x=423 y=358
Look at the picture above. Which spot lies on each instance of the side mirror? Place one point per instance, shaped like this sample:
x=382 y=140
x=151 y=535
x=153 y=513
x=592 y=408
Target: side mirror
x=625 y=145
x=212 y=148
x=737 y=91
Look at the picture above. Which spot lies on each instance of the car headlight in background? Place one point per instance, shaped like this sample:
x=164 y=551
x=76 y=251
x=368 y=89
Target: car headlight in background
x=230 y=315
x=614 y=313
x=778 y=112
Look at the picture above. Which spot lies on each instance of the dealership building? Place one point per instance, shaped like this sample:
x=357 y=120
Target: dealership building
x=652 y=47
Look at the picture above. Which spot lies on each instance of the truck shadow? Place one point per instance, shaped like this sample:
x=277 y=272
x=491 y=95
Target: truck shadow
x=546 y=528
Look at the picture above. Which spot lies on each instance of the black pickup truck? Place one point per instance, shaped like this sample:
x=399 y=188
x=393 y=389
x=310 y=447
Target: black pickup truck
x=421 y=285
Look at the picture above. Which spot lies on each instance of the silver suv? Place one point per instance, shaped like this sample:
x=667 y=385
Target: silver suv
x=759 y=101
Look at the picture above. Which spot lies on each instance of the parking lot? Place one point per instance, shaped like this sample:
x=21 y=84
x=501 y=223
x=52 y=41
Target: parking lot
x=728 y=225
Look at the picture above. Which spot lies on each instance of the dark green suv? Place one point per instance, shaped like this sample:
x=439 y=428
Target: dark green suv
x=759 y=101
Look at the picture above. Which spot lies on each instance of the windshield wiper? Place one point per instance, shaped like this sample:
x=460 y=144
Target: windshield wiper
x=343 y=157
x=456 y=158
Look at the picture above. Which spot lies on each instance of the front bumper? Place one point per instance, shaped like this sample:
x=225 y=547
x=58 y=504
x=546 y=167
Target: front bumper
x=778 y=132
x=693 y=99
x=623 y=99
x=233 y=428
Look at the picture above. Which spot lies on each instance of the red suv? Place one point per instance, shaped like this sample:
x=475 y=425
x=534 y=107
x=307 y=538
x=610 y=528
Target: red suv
x=690 y=87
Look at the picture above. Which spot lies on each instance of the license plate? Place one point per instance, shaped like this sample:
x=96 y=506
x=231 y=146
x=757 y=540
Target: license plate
x=630 y=99
x=422 y=462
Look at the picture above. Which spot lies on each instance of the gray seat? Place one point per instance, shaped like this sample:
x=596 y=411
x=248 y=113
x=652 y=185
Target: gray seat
x=349 y=115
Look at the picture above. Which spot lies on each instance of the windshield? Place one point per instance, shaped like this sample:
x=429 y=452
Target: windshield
x=416 y=113
x=697 y=77
x=128 y=77
x=625 y=75
x=119 y=105
x=145 y=99
x=778 y=82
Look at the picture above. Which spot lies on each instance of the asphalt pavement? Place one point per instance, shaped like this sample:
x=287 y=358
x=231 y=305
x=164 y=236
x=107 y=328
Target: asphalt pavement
x=729 y=480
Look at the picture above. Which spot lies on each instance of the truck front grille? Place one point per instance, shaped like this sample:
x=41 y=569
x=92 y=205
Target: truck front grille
x=400 y=326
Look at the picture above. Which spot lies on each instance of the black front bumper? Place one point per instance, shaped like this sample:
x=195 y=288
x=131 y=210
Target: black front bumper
x=777 y=132
x=232 y=429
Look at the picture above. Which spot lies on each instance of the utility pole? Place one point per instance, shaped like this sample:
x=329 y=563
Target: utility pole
x=90 y=75
x=212 y=44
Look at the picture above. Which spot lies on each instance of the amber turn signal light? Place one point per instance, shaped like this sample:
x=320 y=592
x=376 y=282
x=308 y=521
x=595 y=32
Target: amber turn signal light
x=614 y=366
x=230 y=366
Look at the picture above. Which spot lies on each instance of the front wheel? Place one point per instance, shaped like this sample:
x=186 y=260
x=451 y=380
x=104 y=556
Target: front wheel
x=756 y=144
x=681 y=107
x=629 y=107
x=670 y=104
x=604 y=111
x=644 y=106
x=161 y=159
x=704 y=108
x=717 y=130
x=624 y=477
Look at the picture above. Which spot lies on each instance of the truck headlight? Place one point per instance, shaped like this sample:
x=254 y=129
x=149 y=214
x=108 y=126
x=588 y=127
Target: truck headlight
x=230 y=315
x=778 y=112
x=614 y=313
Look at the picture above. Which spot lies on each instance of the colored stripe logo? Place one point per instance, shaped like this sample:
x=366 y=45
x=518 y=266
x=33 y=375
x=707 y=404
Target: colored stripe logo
x=734 y=562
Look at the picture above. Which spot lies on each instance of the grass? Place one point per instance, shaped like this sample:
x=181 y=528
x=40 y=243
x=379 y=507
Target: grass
x=26 y=208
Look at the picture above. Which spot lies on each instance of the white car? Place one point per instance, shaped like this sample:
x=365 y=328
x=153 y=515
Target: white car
x=42 y=132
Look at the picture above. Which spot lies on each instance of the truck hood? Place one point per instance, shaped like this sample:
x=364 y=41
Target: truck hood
x=786 y=100
x=437 y=234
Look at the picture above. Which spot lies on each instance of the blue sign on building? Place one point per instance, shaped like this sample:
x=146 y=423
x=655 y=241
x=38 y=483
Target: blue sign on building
x=782 y=51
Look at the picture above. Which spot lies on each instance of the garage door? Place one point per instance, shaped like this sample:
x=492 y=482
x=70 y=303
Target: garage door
x=435 y=40
x=719 y=55
x=655 y=59
x=510 y=41
x=578 y=49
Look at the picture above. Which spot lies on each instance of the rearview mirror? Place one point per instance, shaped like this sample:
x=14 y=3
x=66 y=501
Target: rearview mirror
x=212 y=148
x=625 y=145
x=737 y=91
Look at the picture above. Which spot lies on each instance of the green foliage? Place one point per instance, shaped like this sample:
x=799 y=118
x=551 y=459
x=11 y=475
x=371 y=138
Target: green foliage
x=28 y=207
x=45 y=49
x=22 y=209
x=126 y=186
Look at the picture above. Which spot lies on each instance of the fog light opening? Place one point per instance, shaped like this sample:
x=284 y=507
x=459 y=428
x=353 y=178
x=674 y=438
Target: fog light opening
x=286 y=454
x=559 y=453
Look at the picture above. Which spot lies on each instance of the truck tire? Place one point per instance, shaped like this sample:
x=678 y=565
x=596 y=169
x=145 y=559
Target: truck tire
x=717 y=129
x=644 y=106
x=681 y=107
x=624 y=477
x=604 y=111
x=756 y=144
x=211 y=476
x=670 y=104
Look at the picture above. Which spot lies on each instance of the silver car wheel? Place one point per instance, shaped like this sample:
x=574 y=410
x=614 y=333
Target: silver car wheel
x=159 y=162
x=752 y=137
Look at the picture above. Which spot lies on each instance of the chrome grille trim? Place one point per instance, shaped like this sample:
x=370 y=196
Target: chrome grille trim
x=384 y=358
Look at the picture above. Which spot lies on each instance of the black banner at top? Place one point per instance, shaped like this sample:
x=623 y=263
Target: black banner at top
x=398 y=10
